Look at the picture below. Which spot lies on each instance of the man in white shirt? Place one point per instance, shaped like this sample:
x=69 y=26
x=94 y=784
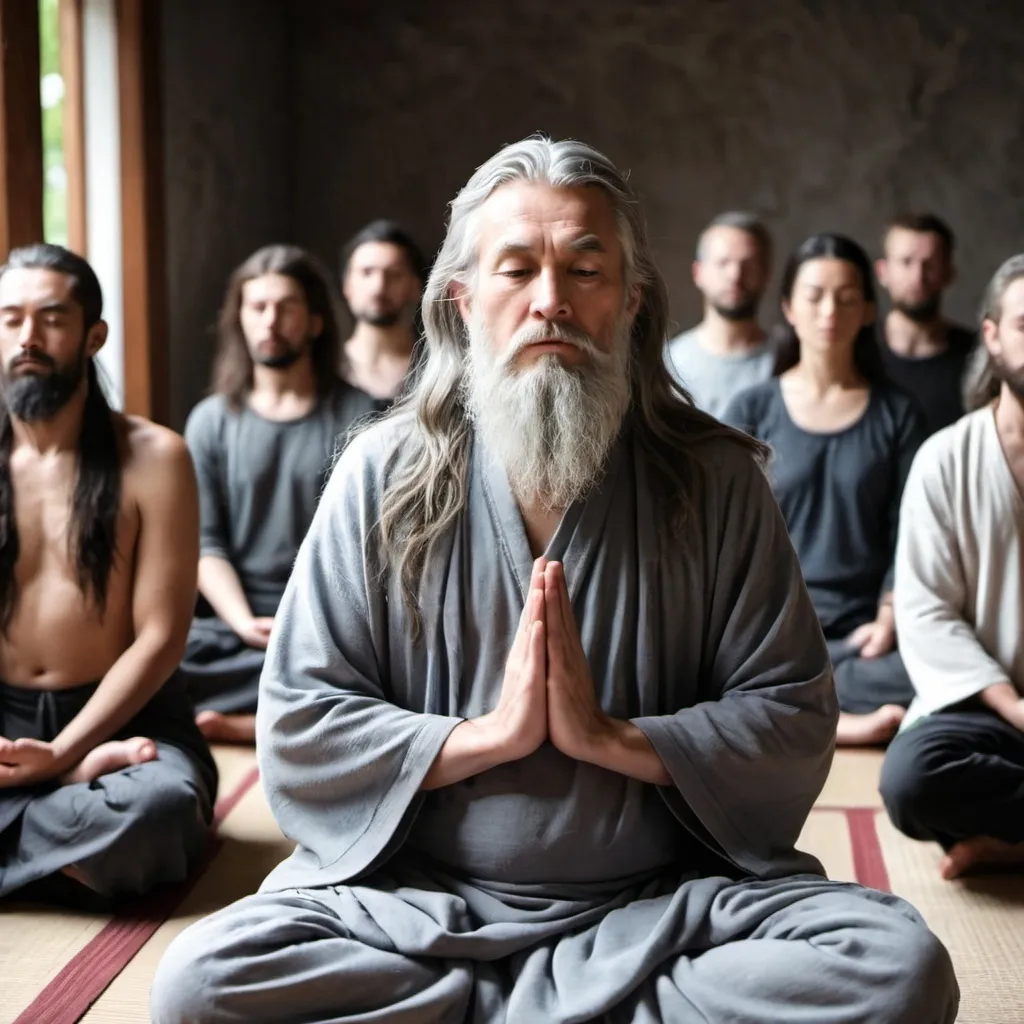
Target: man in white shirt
x=727 y=351
x=955 y=773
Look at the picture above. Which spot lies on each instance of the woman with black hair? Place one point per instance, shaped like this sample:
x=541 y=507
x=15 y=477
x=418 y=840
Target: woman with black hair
x=843 y=442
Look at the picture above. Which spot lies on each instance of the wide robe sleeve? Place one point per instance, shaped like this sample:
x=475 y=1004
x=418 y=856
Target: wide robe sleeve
x=341 y=764
x=944 y=658
x=750 y=758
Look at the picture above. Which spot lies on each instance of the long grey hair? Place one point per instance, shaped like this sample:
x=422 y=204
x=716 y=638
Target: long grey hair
x=982 y=381
x=428 y=486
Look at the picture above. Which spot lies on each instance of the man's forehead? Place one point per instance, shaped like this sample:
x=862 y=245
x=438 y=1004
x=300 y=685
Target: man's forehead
x=272 y=286
x=525 y=213
x=1013 y=299
x=726 y=240
x=908 y=240
x=34 y=286
x=379 y=254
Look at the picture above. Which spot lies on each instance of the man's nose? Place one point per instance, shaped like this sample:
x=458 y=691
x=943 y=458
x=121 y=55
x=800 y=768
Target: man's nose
x=550 y=299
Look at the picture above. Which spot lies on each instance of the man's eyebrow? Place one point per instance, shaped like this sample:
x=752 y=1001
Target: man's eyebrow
x=585 y=243
x=49 y=307
x=511 y=247
x=588 y=243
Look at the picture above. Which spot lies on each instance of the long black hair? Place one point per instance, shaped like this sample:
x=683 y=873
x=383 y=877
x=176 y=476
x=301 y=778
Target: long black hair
x=866 y=355
x=96 y=501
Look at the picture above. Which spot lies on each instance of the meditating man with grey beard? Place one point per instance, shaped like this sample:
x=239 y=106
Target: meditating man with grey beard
x=547 y=705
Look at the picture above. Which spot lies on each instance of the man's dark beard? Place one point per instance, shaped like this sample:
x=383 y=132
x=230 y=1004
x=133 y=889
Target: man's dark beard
x=382 y=319
x=36 y=397
x=280 y=360
x=746 y=310
x=924 y=312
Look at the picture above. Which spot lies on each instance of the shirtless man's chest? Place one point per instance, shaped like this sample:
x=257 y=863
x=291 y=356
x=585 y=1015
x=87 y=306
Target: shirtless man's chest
x=57 y=636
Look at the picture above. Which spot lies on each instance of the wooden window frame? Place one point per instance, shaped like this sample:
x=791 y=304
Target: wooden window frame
x=21 y=126
x=143 y=256
x=71 y=63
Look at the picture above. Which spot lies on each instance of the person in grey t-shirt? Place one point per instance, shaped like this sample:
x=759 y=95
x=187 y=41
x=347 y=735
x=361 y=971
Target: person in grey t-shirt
x=262 y=445
x=727 y=351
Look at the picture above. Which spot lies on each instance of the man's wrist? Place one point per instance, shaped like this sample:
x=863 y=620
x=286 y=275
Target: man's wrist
x=620 y=746
x=65 y=755
x=601 y=742
x=491 y=742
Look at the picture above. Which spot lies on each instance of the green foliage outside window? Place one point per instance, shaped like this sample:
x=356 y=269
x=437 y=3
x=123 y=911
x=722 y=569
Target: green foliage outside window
x=51 y=92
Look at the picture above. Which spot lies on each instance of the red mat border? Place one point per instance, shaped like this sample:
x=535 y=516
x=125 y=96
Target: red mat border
x=868 y=858
x=88 y=974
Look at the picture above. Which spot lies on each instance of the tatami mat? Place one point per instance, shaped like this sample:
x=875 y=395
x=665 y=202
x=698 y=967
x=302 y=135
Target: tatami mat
x=251 y=846
x=853 y=780
x=35 y=943
x=981 y=921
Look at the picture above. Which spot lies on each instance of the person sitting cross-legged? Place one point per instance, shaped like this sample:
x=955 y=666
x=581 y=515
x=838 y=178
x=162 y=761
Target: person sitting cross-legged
x=106 y=784
x=955 y=773
x=547 y=704
x=262 y=443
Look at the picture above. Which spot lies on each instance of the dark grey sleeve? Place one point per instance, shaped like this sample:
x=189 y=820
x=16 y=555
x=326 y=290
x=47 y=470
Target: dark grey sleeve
x=204 y=438
x=742 y=413
x=911 y=434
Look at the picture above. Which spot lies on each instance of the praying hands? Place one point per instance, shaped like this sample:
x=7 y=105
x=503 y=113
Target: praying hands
x=547 y=694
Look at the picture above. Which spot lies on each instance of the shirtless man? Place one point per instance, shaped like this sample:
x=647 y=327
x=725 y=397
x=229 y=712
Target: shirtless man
x=382 y=276
x=106 y=784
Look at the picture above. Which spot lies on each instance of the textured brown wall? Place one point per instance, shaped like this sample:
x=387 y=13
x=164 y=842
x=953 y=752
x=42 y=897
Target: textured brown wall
x=229 y=163
x=822 y=115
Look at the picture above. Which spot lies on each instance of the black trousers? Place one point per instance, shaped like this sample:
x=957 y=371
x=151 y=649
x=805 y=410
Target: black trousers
x=219 y=671
x=955 y=775
x=863 y=685
x=124 y=832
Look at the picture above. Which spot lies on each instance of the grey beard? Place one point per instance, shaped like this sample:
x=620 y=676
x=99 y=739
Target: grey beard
x=551 y=427
x=1012 y=378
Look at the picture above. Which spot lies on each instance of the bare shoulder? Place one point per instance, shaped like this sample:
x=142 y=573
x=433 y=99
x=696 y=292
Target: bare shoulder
x=151 y=452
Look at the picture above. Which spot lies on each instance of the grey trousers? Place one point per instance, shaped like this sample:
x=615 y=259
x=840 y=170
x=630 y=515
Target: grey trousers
x=790 y=951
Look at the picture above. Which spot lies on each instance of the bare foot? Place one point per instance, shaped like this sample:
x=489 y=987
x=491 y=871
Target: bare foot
x=980 y=853
x=218 y=728
x=869 y=730
x=76 y=875
x=111 y=757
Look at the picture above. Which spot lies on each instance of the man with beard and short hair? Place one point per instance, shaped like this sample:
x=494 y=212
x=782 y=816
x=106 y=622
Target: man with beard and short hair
x=955 y=773
x=924 y=354
x=382 y=277
x=262 y=445
x=106 y=784
x=727 y=351
x=545 y=719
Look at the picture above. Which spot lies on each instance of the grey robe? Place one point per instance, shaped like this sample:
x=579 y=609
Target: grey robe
x=549 y=890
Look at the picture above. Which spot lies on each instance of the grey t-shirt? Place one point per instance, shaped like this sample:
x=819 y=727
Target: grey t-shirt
x=713 y=379
x=260 y=481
